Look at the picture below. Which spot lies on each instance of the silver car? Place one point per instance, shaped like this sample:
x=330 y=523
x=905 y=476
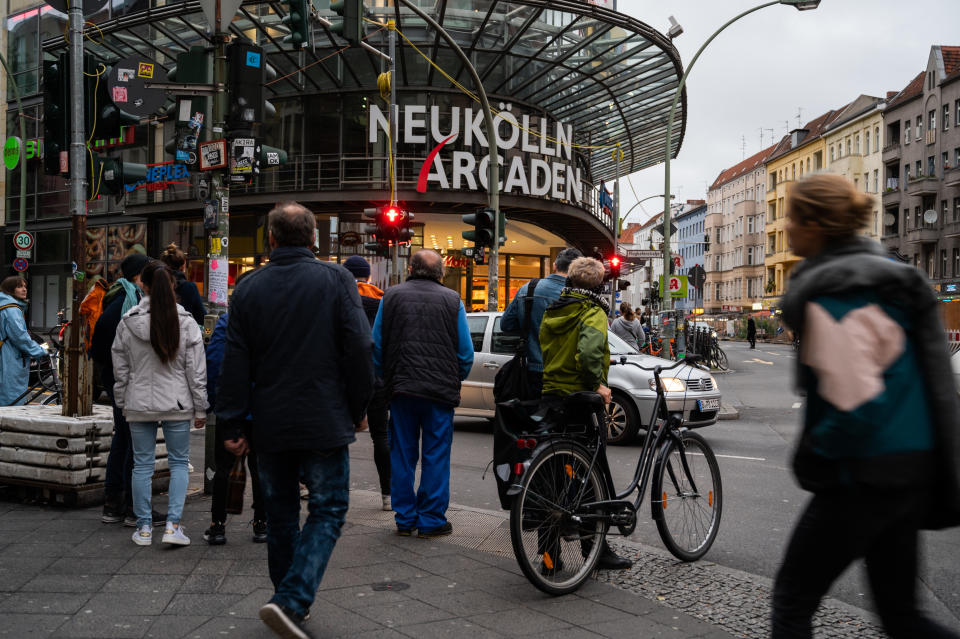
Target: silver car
x=688 y=388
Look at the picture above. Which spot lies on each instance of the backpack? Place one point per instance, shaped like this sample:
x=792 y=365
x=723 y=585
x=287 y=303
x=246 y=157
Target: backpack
x=91 y=308
x=513 y=380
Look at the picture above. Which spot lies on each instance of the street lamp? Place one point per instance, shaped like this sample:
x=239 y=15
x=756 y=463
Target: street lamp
x=630 y=210
x=800 y=5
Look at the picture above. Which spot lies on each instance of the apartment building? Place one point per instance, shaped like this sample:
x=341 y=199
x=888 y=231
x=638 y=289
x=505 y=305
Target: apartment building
x=734 y=224
x=921 y=198
x=854 y=142
x=801 y=151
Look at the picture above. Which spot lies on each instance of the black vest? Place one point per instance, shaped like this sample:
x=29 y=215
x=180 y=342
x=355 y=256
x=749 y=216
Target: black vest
x=419 y=341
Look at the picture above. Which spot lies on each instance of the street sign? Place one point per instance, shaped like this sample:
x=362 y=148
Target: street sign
x=676 y=284
x=226 y=8
x=20 y=264
x=25 y=254
x=11 y=152
x=641 y=254
x=23 y=240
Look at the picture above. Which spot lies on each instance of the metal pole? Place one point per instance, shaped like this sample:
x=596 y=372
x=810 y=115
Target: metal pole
x=78 y=396
x=396 y=275
x=667 y=299
x=23 y=141
x=493 y=168
x=617 y=154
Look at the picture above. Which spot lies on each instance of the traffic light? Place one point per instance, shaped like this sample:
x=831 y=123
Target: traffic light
x=107 y=176
x=247 y=69
x=298 y=21
x=482 y=223
x=351 y=28
x=615 y=265
x=56 y=137
x=380 y=245
x=102 y=118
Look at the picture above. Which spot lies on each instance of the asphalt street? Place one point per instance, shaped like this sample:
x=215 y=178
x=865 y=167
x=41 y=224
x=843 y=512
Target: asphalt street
x=761 y=498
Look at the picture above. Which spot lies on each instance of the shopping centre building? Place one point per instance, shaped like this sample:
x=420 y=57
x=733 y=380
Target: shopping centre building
x=570 y=80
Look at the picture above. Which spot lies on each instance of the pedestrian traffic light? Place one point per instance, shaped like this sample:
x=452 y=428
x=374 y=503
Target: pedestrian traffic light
x=482 y=222
x=351 y=27
x=298 y=21
x=615 y=265
x=245 y=108
x=102 y=118
x=107 y=176
x=56 y=137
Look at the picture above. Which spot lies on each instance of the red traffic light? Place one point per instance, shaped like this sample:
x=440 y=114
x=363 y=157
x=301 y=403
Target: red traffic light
x=392 y=214
x=615 y=262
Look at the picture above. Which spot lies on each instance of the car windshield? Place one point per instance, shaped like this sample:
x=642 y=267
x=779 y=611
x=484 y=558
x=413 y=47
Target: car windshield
x=618 y=346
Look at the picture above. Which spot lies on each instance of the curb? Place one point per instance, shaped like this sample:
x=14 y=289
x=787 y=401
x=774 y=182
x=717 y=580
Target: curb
x=728 y=412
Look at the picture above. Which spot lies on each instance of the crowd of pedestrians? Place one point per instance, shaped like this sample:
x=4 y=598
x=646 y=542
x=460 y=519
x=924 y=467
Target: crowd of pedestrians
x=311 y=353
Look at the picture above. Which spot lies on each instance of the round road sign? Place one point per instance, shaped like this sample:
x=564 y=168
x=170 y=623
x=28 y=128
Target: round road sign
x=20 y=264
x=23 y=240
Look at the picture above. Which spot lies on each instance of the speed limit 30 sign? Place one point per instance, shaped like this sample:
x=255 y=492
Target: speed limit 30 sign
x=23 y=240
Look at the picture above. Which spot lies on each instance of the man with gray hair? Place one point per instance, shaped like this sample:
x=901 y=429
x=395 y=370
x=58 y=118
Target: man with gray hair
x=422 y=350
x=297 y=359
x=545 y=293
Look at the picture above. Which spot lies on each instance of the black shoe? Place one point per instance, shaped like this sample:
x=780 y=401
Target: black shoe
x=283 y=621
x=259 y=531
x=405 y=532
x=610 y=560
x=112 y=514
x=130 y=520
x=439 y=531
x=216 y=534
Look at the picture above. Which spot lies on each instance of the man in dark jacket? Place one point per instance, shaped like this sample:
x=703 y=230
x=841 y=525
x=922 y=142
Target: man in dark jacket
x=123 y=295
x=298 y=359
x=422 y=350
x=752 y=332
x=546 y=293
x=370 y=297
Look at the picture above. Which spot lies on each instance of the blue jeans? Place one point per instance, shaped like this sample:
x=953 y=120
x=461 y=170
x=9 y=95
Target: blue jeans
x=117 y=482
x=413 y=418
x=298 y=558
x=144 y=435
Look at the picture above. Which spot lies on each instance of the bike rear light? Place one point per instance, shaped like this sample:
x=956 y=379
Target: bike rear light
x=531 y=443
x=521 y=443
x=518 y=468
x=526 y=443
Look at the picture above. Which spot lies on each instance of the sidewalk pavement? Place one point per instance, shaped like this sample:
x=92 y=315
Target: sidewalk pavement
x=63 y=573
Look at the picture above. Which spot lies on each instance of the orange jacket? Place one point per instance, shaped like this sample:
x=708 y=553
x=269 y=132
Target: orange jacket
x=369 y=290
x=92 y=307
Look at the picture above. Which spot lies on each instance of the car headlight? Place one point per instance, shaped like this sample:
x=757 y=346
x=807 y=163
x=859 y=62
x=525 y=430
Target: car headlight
x=716 y=386
x=670 y=385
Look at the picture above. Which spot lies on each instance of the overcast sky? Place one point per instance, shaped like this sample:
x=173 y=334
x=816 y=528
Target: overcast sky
x=762 y=68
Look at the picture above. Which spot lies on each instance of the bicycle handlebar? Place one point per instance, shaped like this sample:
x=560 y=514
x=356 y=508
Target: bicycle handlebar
x=689 y=359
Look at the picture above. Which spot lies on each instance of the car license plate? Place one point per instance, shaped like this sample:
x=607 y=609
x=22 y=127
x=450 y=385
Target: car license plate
x=708 y=404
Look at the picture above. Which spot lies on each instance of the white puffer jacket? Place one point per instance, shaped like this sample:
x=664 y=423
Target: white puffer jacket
x=147 y=390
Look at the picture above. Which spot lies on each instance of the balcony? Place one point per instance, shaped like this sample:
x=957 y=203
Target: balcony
x=850 y=164
x=923 y=185
x=951 y=177
x=891 y=152
x=926 y=233
x=891 y=197
x=745 y=207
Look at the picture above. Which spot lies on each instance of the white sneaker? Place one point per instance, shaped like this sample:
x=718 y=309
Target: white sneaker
x=174 y=535
x=143 y=536
x=387 y=504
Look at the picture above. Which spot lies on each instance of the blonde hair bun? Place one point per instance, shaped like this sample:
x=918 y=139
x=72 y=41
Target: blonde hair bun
x=831 y=202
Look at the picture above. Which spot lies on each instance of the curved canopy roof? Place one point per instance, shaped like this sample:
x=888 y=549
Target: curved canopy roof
x=612 y=77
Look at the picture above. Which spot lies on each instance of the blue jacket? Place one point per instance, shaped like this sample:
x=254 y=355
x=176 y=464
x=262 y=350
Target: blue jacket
x=546 y=293
x=215 y=348
x=18 y=347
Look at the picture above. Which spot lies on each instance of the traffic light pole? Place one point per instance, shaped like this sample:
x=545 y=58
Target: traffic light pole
x=617 y=154
x=396 y=275
x=78 y=398
x=493 y=173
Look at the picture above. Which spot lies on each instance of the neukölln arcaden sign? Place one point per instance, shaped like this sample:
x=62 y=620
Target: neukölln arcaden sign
x=542 y=165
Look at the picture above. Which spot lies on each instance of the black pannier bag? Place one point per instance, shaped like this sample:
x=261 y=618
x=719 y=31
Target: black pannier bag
x=513 y=380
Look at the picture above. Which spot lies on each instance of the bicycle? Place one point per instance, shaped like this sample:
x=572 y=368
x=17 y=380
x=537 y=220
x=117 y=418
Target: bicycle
x=46 y=385
x=565 y=502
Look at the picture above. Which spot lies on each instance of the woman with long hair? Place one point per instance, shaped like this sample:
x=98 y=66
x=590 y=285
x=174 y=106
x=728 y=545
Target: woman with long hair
x=187 y=293
x=628 y=327
x=879 y=444
x=161 y=374
x=16 y=345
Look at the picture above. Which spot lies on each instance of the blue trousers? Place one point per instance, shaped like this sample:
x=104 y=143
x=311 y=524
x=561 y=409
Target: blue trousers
x=176 y=434
x=413 y=419
x=297 y=558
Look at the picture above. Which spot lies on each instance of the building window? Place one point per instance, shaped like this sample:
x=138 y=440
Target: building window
x=857 y=145
x=749 y=256
x=866 y=182
x=956 y=262
x=916 y=218
x=932 y=120
x=956 y=209
x=918 y=133
x=876 y=180
x=919 y=166
x=866 y=143
x=906 y=171
x=931 y=167
x=906 y=132
x=906 y=219
x=849 y=147
x=946 y=117
x=956 y=157
x=943 y=210
x=945 y=157
x=832 y=155
x=943 y=264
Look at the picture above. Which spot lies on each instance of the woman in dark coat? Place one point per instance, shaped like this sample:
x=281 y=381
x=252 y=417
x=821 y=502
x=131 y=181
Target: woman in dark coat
x=878 y=448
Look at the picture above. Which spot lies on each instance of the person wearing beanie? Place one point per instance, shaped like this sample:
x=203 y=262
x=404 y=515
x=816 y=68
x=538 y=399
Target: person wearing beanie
x=122 y=295
x=370 y=297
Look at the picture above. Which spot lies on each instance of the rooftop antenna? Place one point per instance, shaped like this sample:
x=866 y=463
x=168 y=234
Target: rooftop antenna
x=799 y=117
x=743 y=147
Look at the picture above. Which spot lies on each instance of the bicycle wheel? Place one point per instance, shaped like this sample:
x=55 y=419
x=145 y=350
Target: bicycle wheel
x=722 y=362
x=687 y=497
x=556 y=553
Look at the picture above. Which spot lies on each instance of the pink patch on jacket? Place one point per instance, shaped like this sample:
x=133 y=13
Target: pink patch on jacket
x=850 y=356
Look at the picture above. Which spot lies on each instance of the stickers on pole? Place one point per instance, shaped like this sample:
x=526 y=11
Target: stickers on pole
x=126 y=82
x=219 y=274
